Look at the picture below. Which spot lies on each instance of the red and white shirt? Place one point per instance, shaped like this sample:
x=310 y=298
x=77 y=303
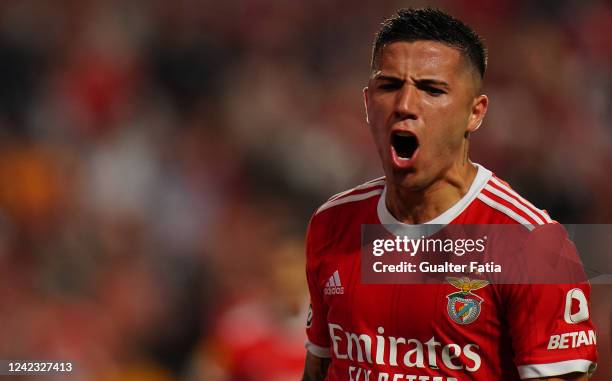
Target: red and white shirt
x=390 y=332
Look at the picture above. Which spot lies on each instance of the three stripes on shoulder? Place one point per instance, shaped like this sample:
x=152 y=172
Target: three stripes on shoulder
x=513 y=205
x=363 y=191
x=496 y=193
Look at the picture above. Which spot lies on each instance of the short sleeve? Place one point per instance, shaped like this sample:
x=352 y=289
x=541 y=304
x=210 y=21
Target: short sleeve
x=318 y=342
x=550 y=325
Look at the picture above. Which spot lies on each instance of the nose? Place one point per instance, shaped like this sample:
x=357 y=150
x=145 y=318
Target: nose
x=407 y=103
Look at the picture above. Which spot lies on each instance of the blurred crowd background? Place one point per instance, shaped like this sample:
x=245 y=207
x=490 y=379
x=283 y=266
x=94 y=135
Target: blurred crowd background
x=159 y=162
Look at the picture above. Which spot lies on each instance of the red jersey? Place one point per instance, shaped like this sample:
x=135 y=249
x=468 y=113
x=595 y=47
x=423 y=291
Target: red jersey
x=390 y=332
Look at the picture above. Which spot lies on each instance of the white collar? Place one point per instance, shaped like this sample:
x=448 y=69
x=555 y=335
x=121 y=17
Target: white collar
x=482 y=177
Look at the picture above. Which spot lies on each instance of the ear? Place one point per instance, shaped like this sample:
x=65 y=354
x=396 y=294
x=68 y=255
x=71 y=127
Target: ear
x=365 y=103
x=479 y=110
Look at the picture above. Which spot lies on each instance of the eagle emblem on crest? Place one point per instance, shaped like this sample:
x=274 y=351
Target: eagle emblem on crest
x=464 y=306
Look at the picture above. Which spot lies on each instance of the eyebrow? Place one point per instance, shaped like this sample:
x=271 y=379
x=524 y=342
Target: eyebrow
x=381 y=77
x=429 y=81
x=424 y=81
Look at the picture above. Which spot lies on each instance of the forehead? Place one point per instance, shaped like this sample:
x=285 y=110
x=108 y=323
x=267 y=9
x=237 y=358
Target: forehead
x=419 y=58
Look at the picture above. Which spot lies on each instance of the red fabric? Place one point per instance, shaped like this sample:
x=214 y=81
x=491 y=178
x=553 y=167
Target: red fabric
x=514 y=327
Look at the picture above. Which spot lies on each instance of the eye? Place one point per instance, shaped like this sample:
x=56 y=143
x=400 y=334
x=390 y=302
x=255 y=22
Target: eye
x=433 y=91
x=389 y=86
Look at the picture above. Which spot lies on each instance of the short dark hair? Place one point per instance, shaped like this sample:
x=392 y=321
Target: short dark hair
x=432 y=25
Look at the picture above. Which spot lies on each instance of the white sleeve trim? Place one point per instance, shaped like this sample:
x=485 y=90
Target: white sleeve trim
x=556 y=368
x=317 y=350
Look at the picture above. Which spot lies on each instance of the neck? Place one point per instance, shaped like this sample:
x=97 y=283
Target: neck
x=417 y=207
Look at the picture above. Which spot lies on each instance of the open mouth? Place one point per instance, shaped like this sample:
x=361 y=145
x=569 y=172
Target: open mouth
x=405 y=144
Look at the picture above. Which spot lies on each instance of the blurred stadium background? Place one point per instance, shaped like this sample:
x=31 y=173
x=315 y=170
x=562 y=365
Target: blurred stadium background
x=159 y=161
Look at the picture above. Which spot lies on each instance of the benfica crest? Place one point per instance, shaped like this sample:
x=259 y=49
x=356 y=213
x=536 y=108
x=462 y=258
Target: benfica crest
x=464 y=306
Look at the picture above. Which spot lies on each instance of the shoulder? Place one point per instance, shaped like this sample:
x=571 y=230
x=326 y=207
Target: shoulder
x=505 y=205
x=343 y=213
x=354 y=197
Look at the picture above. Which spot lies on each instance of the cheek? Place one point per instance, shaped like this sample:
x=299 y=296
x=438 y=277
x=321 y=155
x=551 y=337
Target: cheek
x=445 y=131
x=381 y=104
x=377 y=119
x=379 y=137
x=374 y=114
x=447 y=115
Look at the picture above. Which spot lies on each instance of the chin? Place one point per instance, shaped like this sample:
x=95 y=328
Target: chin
x=413 y=185
x=408 y=180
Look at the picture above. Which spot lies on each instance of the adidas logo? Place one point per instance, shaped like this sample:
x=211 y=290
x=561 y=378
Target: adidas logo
x=333 y=285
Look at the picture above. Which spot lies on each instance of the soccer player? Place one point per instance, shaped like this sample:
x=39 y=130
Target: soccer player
x=423 y=101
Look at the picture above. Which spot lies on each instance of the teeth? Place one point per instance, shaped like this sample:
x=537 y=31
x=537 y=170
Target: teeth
x=403 y=133
x=400 y=157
